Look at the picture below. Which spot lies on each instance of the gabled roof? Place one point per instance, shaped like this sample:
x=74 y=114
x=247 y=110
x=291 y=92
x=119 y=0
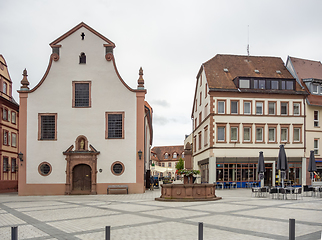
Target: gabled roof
x=242 y=66
x=306 y=69
x=161 y=150
x=4 y=69
x=82 y=24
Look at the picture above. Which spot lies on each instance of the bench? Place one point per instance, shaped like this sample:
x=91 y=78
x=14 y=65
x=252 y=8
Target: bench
x=118 y=189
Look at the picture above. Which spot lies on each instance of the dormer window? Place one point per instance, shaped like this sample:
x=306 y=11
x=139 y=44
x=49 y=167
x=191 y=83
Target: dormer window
x=166 y=155
x=244 y=83
x=315 y=88
x=175 y=155
x=82 y=58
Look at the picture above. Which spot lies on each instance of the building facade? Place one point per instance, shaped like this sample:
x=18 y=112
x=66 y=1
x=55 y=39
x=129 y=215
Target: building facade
x=308 y=73
x=244 y=105
x=82 y=127
x=9 y=131
x=164 y=160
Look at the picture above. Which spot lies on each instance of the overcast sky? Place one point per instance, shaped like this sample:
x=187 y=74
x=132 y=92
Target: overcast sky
x=169 y=39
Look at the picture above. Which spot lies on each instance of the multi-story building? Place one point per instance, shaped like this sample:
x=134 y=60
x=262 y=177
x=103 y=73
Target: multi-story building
x=82 y=128
x=308 y=73
x=164 y=160
x=9 y=130
x=244 y=105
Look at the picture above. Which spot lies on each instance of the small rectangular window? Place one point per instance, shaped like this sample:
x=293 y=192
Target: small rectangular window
x=243 y=83
x=315 y=88
x=259 y=108
x=271 y=108
x=316 y=118
x=14 y=140
x=284 y=110
x=296 y=109
x=47 y=127
x=115 y=125
x=255 y=84
x=247 y=107
x=5 y=137
x=316 y=146
x=289 y=85
x=274 y=84
x=81 y=94
x=261 y=84
x=259 y=134
x=13 y=165
x=247 y=134
x=297 y=134
x=221 y=107
x=233 y=134
x=13 y=117
x=5 y=114
x=234 y=107
x=284 y=134
x=5 y=164
x=283 y=85
x=271 y=134
x=221 y=133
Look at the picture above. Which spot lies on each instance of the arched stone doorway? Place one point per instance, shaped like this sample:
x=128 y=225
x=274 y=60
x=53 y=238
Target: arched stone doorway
x=82 y=178
x=81 y=167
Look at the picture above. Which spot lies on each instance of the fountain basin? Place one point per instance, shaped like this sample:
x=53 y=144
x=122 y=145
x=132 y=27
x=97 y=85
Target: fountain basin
x=188 y=192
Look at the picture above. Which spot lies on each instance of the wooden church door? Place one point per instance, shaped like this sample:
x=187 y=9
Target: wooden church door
x=82 y=178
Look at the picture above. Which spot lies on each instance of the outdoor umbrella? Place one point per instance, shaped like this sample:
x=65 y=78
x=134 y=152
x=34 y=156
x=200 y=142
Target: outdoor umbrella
x=312 y=165
x=282 y=163
x=261 y=165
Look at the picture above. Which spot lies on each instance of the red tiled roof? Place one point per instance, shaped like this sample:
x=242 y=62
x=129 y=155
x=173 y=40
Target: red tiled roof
x=308 y=69
x=161 y=150
x=243 y=66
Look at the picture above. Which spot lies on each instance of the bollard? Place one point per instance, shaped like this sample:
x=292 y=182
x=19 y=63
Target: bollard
x=14 y=233
x=108 y=233
x=200 y=231
x=291 y=229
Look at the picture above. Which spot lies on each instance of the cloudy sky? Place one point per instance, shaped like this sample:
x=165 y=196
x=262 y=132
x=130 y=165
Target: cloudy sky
x=169 y=39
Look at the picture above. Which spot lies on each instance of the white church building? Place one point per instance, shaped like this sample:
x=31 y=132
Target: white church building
x=82 y=128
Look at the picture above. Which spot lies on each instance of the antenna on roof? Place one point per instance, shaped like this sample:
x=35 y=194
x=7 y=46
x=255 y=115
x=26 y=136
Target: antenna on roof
x=248 y=42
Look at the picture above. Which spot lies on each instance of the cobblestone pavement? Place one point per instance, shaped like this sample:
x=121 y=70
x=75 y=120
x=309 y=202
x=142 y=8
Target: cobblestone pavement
x=139 y=216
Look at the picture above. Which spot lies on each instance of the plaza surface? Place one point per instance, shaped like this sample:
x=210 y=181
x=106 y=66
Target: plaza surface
x=139 y=216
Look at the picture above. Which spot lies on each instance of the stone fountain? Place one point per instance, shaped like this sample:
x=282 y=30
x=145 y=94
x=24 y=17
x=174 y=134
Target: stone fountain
x=188 y=191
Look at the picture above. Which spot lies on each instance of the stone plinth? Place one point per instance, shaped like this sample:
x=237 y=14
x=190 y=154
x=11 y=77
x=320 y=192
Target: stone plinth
x=188 y=192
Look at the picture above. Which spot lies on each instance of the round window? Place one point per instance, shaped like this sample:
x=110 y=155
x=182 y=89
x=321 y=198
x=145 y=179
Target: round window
x=44 y=169
x=117 y=168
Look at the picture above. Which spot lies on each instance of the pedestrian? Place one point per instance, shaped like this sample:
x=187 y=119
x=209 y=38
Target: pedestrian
x=151 y=183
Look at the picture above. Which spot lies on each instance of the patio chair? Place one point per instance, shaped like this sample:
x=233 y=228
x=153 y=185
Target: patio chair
x=264 y=191
x=281 y=192
x=307 y=189
x=255 y=192
x=298 y=191
x=274 y=192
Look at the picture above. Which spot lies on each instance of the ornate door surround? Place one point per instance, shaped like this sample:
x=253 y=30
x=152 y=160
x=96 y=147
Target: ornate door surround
x=81 y=155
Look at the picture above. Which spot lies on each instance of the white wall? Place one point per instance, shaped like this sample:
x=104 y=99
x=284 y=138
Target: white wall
x=55 y=96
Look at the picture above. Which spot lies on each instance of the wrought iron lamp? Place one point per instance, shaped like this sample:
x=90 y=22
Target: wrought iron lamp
x=20 y=156
x=140 y=154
